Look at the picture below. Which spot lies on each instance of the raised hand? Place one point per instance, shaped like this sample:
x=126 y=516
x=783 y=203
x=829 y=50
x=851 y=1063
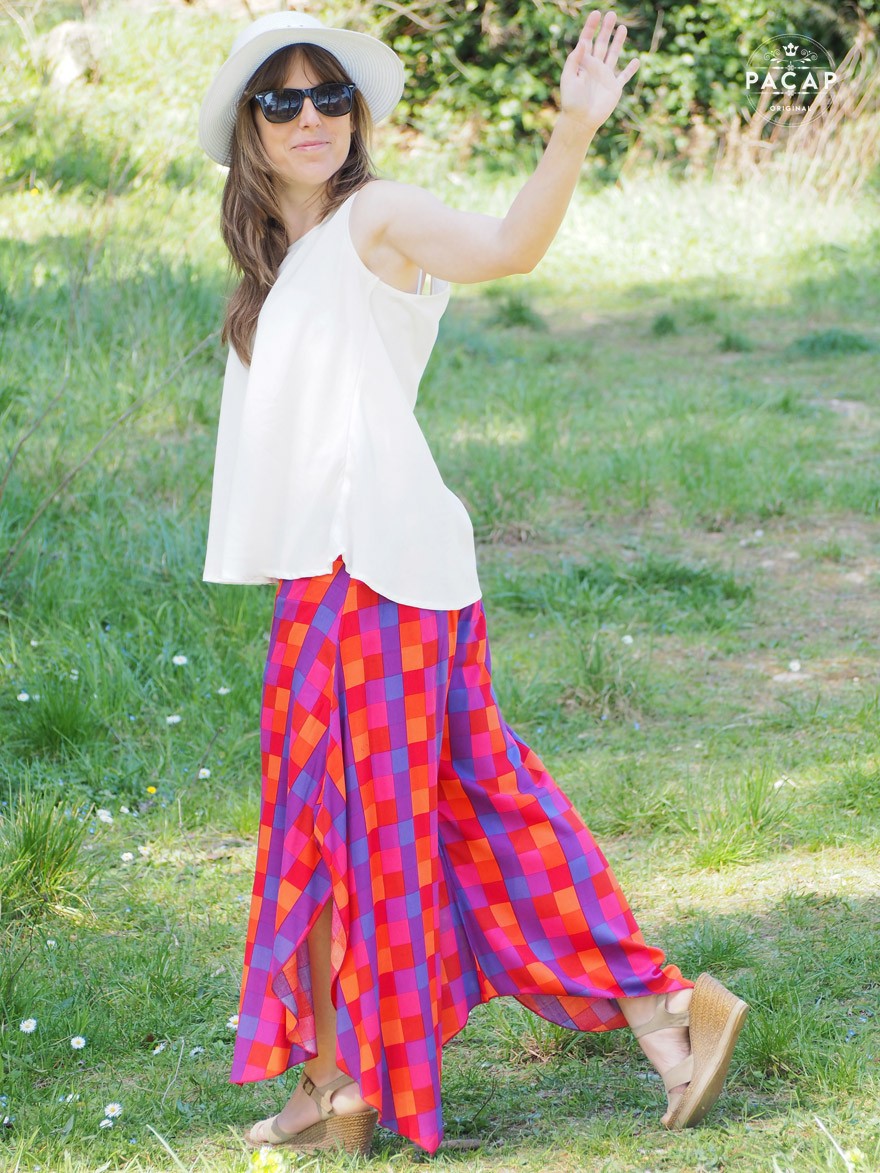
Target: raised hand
x=590 y=89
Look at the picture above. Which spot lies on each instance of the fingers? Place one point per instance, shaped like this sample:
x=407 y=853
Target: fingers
x=605 y=26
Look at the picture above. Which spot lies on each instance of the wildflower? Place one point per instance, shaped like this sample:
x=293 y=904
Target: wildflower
x=794 y=665
x=232 y=1022
x=204 y=772
x=23 y=696
x=126 y=857
x=123 y=810
x=28 y=1026
x=35 y=643
x=174 y=719
x=106 y=1124
x=143 y=850
x=179 y=660
x=196 y=1051
x=77 y=1042
x=223 y=690
x=74 y=673
x=151 y=790
x=627 y=639
x=266 y=1160
x=105 y=816
x=113 y=1109
x=159 y=1047
x=51 y=943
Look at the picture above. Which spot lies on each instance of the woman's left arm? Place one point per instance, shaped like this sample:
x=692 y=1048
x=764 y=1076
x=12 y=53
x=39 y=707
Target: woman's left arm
x=468 y=247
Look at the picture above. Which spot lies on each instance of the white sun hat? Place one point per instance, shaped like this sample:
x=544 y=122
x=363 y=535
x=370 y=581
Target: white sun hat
x=375 y=69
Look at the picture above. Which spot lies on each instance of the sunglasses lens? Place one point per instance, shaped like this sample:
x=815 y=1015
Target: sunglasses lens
x=281 y=105
x=333 y=99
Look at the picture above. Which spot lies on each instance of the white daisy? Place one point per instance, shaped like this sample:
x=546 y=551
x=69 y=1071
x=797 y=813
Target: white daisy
x=223 y=690
x=144 y=850
x=23 y=696
x=113 y=1109
x=204 y=772
x=179 y=660
x=77 y=1042
x=196 y=1050
x=232 y=1022
x=174 y=719
x=104 y=816
x=123 y=810
x=127 y=856
x=106 y=1124
x=159 y=1047
x=28 y=1026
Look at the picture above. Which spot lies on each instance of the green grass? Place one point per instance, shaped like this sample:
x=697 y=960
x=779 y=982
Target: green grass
x=667 y=442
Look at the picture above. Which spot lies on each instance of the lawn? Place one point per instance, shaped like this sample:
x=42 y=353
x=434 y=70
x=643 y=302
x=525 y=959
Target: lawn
x=666 y=437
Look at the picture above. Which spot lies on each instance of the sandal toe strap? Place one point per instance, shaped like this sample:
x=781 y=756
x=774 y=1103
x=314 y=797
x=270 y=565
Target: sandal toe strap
x=681 y=1073
x=268 y=1132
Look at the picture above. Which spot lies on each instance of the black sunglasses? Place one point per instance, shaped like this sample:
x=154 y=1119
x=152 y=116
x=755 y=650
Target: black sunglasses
x=333 y=98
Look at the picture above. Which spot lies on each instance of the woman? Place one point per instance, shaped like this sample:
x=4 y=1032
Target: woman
x=415 y=858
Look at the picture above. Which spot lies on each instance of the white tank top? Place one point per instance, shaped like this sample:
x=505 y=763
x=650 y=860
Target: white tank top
x=319 y=452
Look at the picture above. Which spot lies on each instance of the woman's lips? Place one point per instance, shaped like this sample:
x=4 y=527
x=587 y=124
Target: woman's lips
x=309 y=146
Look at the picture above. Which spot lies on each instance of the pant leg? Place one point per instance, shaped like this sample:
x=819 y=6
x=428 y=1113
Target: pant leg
x=543 y=913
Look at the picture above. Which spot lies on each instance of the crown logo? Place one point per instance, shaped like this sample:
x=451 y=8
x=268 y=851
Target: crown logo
x=790 y=49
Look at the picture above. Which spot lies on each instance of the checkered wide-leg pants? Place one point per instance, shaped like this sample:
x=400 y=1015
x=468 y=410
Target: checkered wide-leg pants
x=457 y=869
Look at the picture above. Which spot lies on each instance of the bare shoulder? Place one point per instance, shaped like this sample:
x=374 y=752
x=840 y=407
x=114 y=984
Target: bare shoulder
x=377 y=207
x=381 y=202
x=400 y=228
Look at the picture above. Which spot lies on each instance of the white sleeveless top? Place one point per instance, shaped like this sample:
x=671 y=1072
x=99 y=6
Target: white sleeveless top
x=319 y=452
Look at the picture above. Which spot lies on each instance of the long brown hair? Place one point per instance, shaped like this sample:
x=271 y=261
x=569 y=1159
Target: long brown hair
x=250 y=216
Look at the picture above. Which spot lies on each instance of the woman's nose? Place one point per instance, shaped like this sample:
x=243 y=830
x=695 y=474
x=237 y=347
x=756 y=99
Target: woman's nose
x=309 y=116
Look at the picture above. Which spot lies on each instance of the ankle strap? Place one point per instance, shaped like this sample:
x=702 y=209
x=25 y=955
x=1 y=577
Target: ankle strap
x=661 y=1019
x=324 y=1094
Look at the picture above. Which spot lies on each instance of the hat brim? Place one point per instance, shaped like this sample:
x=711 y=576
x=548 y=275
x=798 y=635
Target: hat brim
x=375 y=69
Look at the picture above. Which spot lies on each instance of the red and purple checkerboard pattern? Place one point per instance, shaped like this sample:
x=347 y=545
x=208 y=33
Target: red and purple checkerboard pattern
x=457 y=869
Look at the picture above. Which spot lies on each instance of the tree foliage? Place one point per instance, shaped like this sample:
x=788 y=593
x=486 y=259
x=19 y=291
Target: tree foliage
x=484 y=75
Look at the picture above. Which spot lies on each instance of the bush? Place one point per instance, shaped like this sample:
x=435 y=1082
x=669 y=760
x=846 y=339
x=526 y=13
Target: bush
x=484 y=76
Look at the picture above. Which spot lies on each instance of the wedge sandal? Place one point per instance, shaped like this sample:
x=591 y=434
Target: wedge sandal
x=714 y=1019
x=352 y=1132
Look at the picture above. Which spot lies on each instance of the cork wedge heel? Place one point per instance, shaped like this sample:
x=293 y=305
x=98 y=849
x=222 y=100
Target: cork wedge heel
x=714 y=1019
x=352 y=1132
